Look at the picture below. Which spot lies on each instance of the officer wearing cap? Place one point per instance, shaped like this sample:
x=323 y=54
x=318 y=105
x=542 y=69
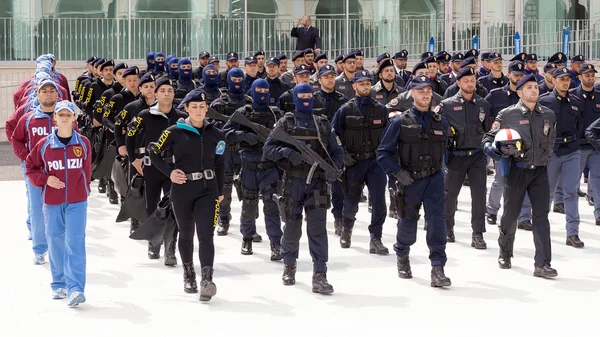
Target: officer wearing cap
x=86 y=74
x=97 y=88
x=443 y=61
x=276 y=85
x=326 y=100
x=202 y=62
x=386 y=88
x=404 y=101
x=425 y=55
x=525 y=172
x=400 y=61
x=474 y=53
x=259 y=176
x=320 y=60
x=260 y=62
x=86 y=83
x=591 y=112
x=547 y=85
x=576 y=63
x=453 y=88
x=309 y=58
x=288 y=76
x=439 y=86
x=251 y=70
x=486 y=67
x=339 y=65
x=592 y=134
x=495 y=78
x=343 y=83
x=214 y=61
x=565 y=162
x=231 y=62
x=531 y=62
x=558 y=59
x=455 y=62
x=148 y=128
x=360 y=58
x=382 y=59
x=286 y=100
x=500 y=99
x=469 y=118
x=416 y=162
x=359 y=124
x=297 y=195
x=282 y=63
x=195 y=179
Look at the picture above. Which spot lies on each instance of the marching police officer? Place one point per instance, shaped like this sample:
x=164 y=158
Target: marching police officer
x=455 y=61
x=416 y=162
x=196 y=187
x=565 y=162
x=231 y=100
x=251 y=70
x=535 y=124
x=500 y=99
x=202 y=62
x=159 y=65
x=259 y=177
x=531 y=62
x=231 y=62
x=343 y=83
x=386 y=88
x=148 y=127
x=185 y=80
x=495 y=78
x=469 y=118
x=297 y=195
x=276 y=85
x=479 y=89
x=546 y=84
x=400 y=60
x=210 y=79
x=404 y=101
x=117 y=103
x=359 y=124
x=592 y=134
x=286 y=100
x=439 y=86
x=486 y=67
x=288 y=76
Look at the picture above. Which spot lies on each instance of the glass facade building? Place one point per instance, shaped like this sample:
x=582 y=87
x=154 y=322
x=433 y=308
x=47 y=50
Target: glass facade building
x=128 y=29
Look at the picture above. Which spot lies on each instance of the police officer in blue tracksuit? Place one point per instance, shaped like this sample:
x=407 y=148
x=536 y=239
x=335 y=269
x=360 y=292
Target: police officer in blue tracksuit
x=298 y=195
x=259 y=177
x=591 y=112
x=500 y=99
x=416 y=162
x=359 y=124
x=565 y=162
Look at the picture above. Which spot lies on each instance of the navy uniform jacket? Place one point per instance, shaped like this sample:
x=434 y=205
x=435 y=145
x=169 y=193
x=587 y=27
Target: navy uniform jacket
x=344 y=86
x=590 y=105
x=387 y=152
x=449 y=78
x=490 y=82
x=404 y=74
x=500 y=99
x=592 y=134
x=276 y=89
x=568 y=111
x=381 y=95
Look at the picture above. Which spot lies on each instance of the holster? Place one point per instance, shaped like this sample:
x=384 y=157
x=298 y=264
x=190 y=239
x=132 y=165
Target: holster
x=398 y=198
x=237 y=184
x=280 y=202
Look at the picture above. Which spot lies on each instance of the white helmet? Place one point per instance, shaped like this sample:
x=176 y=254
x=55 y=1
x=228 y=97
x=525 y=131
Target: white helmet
x=509 y=142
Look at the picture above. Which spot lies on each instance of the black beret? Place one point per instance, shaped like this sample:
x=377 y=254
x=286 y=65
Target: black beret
x=131 y=71
x=164 y=81
x=109 y=63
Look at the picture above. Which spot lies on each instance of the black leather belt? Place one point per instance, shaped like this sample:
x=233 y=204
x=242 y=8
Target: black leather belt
x=206 y=174
x=363 y=156
x=148 y=162
x=526 y=166
x=465 y=153
x=258 y=166
x=564 y=140
x=424 y=173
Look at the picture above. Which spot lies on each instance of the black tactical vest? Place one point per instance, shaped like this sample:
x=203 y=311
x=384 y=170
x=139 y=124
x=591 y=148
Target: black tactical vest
x=362 y=135
x=266 y=119
x=309 y=135
x=229 y=106
x=419 y=150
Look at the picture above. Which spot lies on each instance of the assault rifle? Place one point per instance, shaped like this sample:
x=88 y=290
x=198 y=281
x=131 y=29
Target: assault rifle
x=261 y=131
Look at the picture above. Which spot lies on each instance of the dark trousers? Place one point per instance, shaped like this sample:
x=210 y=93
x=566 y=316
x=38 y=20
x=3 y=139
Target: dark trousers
x=337 y=199
x=428 y=191
x=301 y=198
x=232 y=168
x=534 y=182
x=264 y=182
x=458 y=168
x=196 y=207
x=154 y=183
x=370 y=173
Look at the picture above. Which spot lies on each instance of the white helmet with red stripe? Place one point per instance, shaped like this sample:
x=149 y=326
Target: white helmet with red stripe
x=509 y=142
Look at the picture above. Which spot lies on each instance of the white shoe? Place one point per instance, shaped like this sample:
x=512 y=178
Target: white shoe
x=76 y=298
x=40 y=259
x=29 y=236
x=59 y=294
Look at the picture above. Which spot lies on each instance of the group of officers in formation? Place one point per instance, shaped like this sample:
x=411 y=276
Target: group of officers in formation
x=309 y=139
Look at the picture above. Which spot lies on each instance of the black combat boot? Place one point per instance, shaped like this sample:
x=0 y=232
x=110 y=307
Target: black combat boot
x=222 y=227
x=438 y=278
x=546 y=271
x=153 y=252
x=207 y=288
x=276 y=252
x=504 y=260
x=477 y=241
x=450 y=234
x=102 y=185
x=113 y=197
x=525 y=225
x=574 y=241
x=320 y=284
x=491 y=218
x=289 y=275
x=135 y=224
x=337 y=226
x=256 y=238
x=581 y=194
x=559 y=208
x=346 y=237
x=377 y=247
x=170 y=258
x=189 y=278
x=403 y=264
x=247 y=247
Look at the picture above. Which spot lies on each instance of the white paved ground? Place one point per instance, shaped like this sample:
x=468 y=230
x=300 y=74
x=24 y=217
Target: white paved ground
x=129 y=295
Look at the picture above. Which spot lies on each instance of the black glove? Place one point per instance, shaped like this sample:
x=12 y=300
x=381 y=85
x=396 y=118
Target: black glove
x=251 y=138
x=348 y=160
x=296 y=158
x=404 y=177
x=507 y=150
x=332 y=176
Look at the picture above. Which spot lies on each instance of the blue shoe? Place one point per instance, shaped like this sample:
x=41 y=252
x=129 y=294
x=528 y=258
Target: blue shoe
x=75 y=299
x=59 y=294
x=40 y=259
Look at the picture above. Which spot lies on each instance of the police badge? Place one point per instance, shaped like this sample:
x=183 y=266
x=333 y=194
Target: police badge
x=546 y=127
x=481 y=115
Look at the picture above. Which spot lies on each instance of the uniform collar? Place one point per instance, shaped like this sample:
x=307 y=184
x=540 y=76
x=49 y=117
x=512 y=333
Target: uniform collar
x=38 y=113
x=509 y=90
x=379 y=86
x=497 y=81
x=55 y=143
x=186 y=124
x=559 y=97
x=154 y=110
x=524 y=109
x=585 y=94
x=462 y=99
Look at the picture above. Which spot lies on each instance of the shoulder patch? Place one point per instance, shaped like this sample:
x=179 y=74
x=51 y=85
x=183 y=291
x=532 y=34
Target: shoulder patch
x=220 y=148
x=496 y=126
x=394 y=102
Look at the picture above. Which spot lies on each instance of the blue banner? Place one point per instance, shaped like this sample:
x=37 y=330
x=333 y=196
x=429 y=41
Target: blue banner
x=475 y=44
x=431 y=44
x=517 y=43
x=566 y=37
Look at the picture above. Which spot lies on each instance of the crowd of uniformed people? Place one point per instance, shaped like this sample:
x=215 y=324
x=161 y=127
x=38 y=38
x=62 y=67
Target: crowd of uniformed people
x=171 y=143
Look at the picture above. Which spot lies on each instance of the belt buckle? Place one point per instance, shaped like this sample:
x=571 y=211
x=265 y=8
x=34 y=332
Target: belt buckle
x=531 y=167
x=196 y=175
x=564 y=139
x=209 y=174
x=147 y=161
x=470 y=153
